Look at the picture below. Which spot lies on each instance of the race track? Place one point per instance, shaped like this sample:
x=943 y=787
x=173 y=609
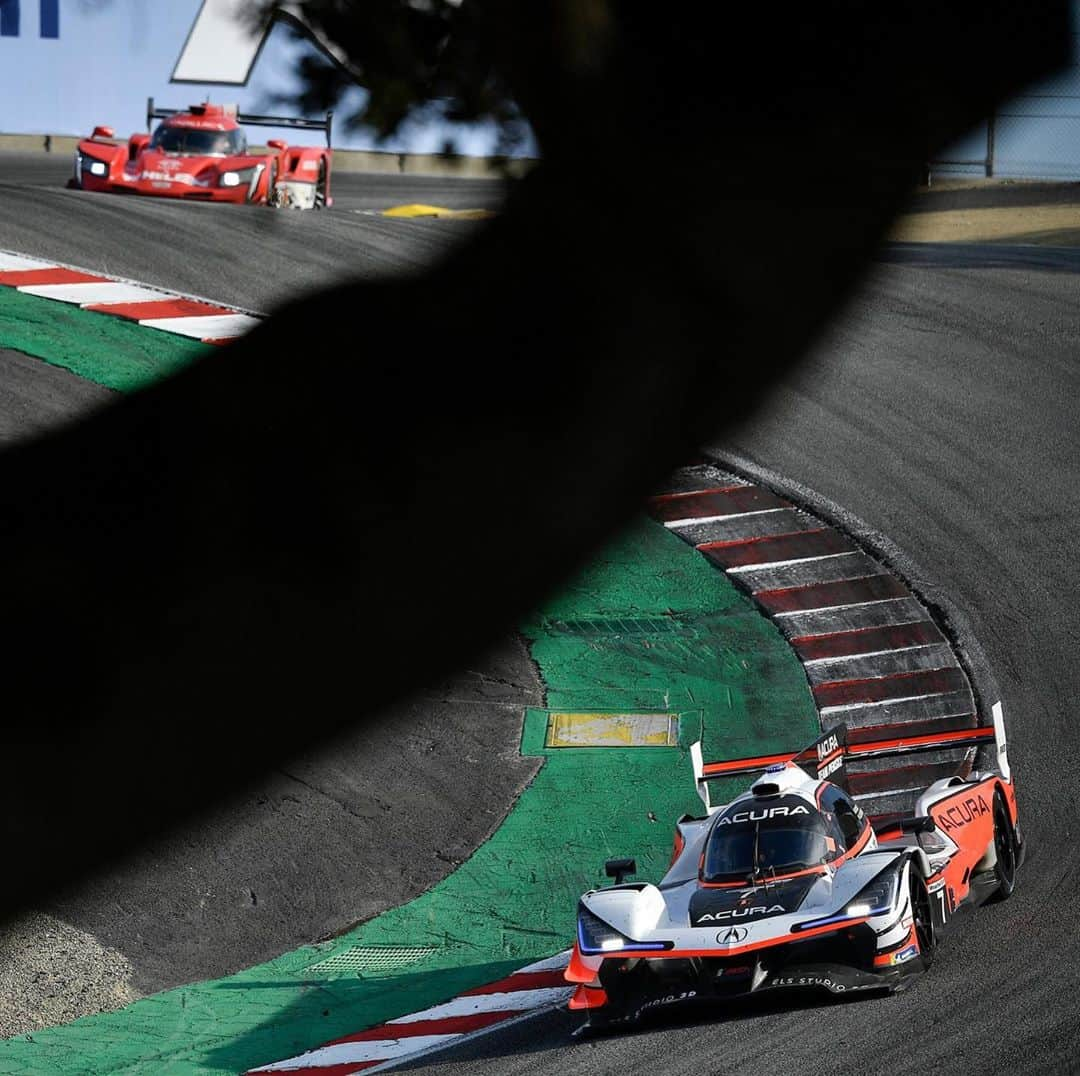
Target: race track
x=251 y=259
x=941 y=413
x=339 y=834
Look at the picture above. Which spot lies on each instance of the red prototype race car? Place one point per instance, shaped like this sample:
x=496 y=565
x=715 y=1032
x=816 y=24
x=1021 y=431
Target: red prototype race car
x=202 y=154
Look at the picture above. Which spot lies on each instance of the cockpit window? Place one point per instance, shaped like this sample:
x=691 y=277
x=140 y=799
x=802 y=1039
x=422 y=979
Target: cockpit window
x=195 y=142
x=735 y=853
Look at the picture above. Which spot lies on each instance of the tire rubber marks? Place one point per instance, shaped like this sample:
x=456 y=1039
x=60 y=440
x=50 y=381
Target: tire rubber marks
x=151 y=307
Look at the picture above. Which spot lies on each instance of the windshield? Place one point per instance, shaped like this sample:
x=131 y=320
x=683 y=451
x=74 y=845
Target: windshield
x=194 y=142
x=734 y=853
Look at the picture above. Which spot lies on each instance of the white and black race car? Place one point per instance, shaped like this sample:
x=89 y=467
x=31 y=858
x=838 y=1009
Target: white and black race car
x=789 y=886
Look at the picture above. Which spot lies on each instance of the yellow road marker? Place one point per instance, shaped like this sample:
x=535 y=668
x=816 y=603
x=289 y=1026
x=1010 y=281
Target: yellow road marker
x=612 y=730
x=416 y=209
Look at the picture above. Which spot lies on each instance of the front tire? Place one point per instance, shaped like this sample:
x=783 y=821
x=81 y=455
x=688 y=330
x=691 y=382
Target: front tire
x=923 y=916
x=271 y=183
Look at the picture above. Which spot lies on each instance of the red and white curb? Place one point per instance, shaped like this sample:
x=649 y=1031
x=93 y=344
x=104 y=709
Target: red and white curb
x=528 y=991
x=874 y=657
x=199 y=319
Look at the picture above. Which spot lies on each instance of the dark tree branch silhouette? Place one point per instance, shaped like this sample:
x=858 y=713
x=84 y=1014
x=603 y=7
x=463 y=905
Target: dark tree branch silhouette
x=224 y=568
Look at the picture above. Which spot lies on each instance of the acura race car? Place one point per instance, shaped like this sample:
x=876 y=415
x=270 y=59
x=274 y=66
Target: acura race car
x=202 y=154
x=789 y=886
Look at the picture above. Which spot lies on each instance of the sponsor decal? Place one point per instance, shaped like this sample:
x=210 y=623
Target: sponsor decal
x=185 y=179
x=827 y=746
x=960 y=814
x=832 y=767
x=809 y=980
x=904 y=955
x=309 y=166
x=668 y=999
x=741 y=913
x=732 y=936
x=764 y=814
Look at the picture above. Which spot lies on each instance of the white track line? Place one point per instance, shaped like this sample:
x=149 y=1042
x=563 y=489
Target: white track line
x=205 y=327
x=743 y=569
x=671 y=524
x=827 y=608
x=510 y=1001
x=93 y=293
x=19 y=263
x=875 y=653
x=345 y=1053
x=881 y=702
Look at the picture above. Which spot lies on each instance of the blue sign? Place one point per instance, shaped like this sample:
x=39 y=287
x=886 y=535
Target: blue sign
x=50 y=18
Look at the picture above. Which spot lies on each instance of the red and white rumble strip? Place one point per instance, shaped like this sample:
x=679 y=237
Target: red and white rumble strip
x=529 y=990
x=875 y=659
x=157 y=309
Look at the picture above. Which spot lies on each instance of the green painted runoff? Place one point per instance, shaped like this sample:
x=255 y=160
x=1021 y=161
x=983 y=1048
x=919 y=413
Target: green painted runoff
x=119 y=354
x=648 y=625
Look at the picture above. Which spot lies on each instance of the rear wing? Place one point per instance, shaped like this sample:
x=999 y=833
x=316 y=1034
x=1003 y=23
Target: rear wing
x=827 y=758
x=249 y=119
x=824 y=758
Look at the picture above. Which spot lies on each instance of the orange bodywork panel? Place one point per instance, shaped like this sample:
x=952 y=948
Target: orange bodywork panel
x=582 y=969
x=588 y=997
x=967 y=819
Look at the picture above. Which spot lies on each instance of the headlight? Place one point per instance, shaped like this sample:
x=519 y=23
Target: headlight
x=242 y=177
x=595 y=936
x=877 y=898
x=91 y=165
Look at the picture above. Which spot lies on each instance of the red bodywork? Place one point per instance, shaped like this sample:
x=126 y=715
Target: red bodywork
x=170 y=165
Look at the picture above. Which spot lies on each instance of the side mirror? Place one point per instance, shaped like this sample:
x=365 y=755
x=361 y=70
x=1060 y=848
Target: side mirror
x=276 y=143
x=619 y=869
x=919 y=824
x=103 y=132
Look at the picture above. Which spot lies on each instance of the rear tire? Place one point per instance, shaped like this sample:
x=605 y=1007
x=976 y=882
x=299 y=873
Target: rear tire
x=923 y=916
x=1005 y=847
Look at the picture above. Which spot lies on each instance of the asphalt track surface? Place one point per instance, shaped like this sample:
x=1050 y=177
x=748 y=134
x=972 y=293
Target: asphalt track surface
x=245 y=256
x=342 y=833
x=940 y=412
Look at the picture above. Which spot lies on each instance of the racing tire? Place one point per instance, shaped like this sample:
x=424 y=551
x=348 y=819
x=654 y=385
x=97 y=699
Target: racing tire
x=1005 y=847
x=320 y=185
x=271 y=183
x=923 y=916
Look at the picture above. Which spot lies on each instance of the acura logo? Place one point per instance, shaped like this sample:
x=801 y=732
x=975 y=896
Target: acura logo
x=734 y=934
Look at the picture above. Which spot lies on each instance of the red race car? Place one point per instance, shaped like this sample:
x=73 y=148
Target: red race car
x=202 y=154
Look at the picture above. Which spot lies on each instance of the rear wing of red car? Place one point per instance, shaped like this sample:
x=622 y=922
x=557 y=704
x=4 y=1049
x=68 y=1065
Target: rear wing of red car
x=248 y=119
